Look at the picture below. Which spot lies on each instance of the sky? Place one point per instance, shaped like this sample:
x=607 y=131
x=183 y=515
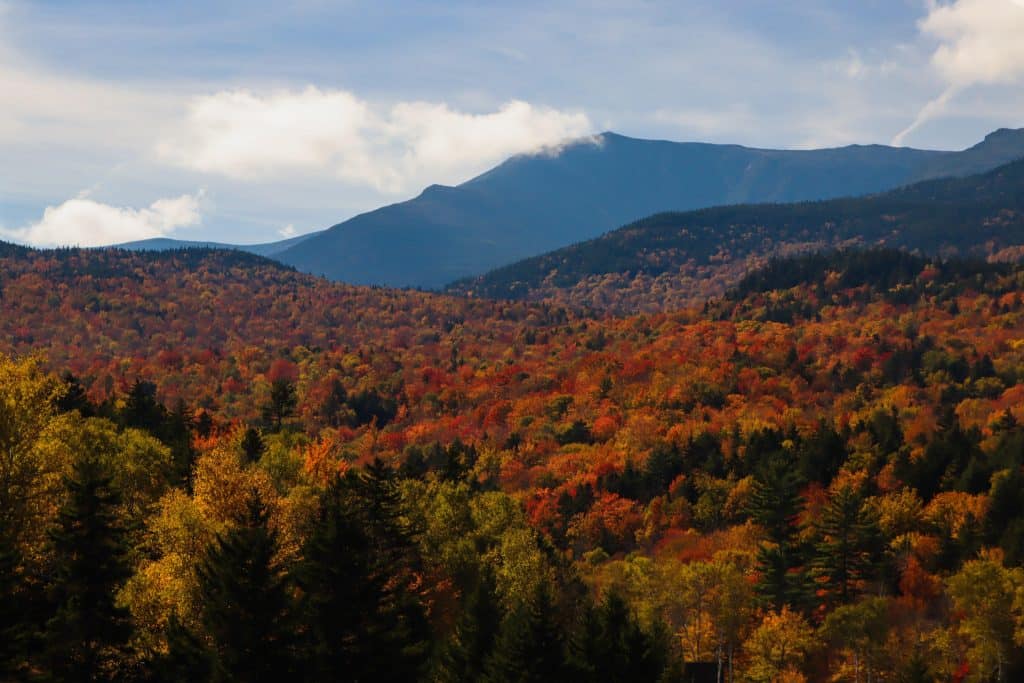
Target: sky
x=252 y=121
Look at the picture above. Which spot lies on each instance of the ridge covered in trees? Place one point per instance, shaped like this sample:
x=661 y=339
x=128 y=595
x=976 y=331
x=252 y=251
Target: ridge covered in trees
x=818 y=477
x=673 y=260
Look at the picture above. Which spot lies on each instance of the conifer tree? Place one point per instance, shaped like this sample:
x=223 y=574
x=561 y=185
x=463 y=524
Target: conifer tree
x=86 y=639
x=245 y=604
x=531 y=645
x=612 y=646
x=363 y=617
x=463 y=656
x=187 y=657
x=775 y=504
x=846 y=554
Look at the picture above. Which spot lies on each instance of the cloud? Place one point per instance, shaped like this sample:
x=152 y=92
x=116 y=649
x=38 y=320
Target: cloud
x=288 y=231
x=87 y=223
x=248 y=135
x=981 y=42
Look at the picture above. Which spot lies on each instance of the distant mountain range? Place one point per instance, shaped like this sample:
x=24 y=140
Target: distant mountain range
x=672 y=260
x=268 y=249
x=534 y=203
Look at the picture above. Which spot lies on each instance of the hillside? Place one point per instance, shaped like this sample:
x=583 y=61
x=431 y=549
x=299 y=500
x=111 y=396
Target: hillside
x=839 y=441
x=164 y=244
x=673 y=260
x=534 y=203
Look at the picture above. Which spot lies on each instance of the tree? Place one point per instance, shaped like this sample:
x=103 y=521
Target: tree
x=245 y=605
x=775 y=504
x=187 y=657
x=31 y=462
x=612 y=645
x=846 y=555
x=983 y=593
x=778 y=646
x=281 y=404
x=87 y=637
x=252 y=445
x=531 y=644
x=464 y=654
x=859 y=629
x=15 y=613
x=358 y=574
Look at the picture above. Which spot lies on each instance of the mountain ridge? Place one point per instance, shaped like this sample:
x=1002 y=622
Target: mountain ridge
x=534 y=203
x=676 y=259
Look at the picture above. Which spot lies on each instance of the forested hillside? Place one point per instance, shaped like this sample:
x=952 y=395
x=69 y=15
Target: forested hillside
x=215 y=468
x=673 y=260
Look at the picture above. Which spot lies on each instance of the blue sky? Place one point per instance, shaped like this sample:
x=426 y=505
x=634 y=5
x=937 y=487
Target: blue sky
x=247 y=121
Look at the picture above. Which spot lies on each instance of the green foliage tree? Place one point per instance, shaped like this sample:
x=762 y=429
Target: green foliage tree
x=531 y=646
x=613 y=646
x=775 y=504
x=357 y=576
x=281 y=404
x=847 y=553
x=86 y=638
x=464 y=654
x=985 y=592
x=245 y=604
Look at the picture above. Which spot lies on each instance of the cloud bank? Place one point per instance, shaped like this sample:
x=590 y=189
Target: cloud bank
x=249 y=135
x=981 y=42
x=87 y=223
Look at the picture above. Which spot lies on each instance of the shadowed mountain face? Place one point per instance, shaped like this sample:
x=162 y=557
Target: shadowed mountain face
x=671 y=260
x=531 y=204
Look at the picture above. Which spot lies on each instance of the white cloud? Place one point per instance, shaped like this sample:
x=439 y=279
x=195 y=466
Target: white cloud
x=244 y=134
x=981 y=42
x=84 y=222
x=288 y=231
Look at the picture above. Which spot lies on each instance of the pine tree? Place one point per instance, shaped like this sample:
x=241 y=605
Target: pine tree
x=775 y=504
x=281 y=405
x=87 y=637
x=612 y=646
x=245 y=604
x=463 y=656
x=187 y=657
x=252 y=444
x=847 y=552
x=363 y=617
x=530 y=647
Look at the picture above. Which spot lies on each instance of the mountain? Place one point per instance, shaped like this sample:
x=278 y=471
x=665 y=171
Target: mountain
x=534 y=203
x=165 y=244
x=672 y=260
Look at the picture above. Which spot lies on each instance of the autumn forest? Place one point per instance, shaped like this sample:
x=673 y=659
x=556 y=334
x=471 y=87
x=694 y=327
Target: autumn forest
x=213 y=467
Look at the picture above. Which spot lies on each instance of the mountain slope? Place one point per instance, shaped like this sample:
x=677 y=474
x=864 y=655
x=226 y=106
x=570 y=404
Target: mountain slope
x=677 y=259
x=534 y=203
x=164 y=244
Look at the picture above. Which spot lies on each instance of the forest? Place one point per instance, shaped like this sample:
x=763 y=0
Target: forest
x=675 y=260
x=215 y=468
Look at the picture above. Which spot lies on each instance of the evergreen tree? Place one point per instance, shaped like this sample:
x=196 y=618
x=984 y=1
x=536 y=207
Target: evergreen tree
x=141 y=409
x=849 y=547
x=252 y=444
x=187 y=657
x=245 y=604
x=463 y=656
x=612 y=646
x=775 y=504
x=87 y=637
x=363 y=616
x=531 y=646
x=282 y=404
